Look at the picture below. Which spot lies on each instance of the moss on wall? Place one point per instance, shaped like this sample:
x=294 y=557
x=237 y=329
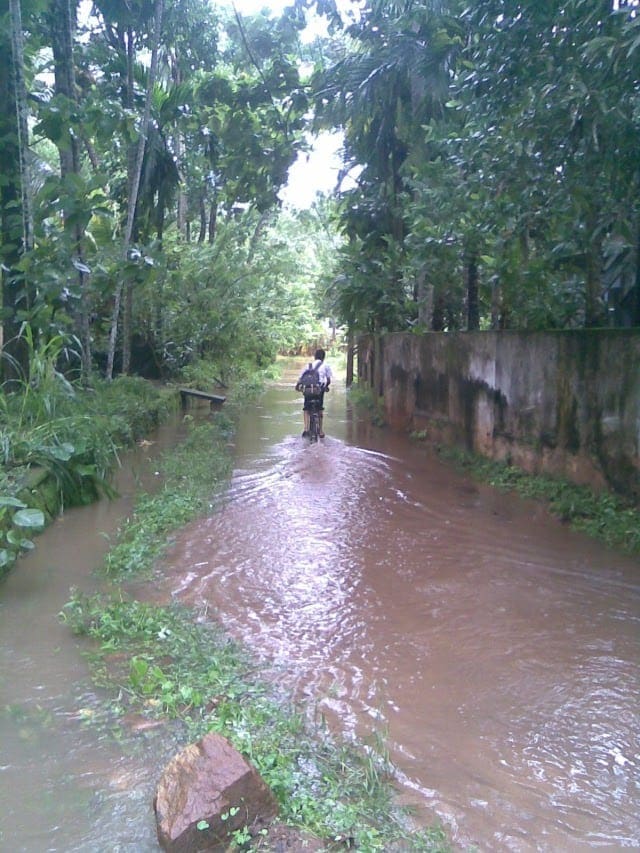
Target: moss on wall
x=563 y=402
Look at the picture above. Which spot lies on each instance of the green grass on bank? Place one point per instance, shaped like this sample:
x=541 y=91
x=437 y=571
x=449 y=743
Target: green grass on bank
x=193 y=475
x=157 y=662
x=605 y=516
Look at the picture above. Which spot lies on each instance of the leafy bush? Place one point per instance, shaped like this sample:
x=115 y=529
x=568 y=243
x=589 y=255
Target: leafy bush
x=365 y=400
x=70 y=434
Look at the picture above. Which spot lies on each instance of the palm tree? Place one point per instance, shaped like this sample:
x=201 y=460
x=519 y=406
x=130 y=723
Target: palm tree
x=381 y=94
x=62 y=24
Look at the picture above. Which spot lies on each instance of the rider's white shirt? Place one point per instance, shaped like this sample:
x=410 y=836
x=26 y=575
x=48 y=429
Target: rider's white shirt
x=324 y=371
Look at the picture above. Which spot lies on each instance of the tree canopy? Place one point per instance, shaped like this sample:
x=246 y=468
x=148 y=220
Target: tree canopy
x=494 y=147
x=500 y=148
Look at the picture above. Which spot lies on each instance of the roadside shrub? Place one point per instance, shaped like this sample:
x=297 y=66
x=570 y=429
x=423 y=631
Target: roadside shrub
x=59 y=444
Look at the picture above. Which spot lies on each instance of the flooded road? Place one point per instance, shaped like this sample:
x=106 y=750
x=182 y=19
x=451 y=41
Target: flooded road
x=496 y=650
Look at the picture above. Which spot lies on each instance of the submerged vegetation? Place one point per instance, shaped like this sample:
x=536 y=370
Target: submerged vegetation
x=604 y=516
x=157 y=662
x=163 y=663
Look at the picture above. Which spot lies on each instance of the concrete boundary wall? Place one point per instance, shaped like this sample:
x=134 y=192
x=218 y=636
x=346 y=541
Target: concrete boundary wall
x=565 y=403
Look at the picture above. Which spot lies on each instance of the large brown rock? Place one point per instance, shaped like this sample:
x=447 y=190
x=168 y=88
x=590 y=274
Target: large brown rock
x=209 y=782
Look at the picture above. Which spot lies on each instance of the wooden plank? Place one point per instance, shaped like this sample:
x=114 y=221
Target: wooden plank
x=202 y=395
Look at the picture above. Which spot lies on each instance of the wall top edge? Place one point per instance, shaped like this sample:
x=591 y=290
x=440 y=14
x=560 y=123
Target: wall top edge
x=599 y=333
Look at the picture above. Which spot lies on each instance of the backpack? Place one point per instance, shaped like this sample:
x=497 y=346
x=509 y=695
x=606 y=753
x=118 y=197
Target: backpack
x=309 y=382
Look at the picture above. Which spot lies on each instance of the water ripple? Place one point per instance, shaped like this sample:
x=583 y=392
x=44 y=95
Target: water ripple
x=497 y=650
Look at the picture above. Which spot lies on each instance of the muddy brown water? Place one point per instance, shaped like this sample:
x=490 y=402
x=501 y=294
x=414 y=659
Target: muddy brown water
x=495 y=650
x=64 y=785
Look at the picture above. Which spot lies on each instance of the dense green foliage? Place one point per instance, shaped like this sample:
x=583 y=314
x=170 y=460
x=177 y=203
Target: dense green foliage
x=160 y=136
x=494 y=147
x=243 y=299
x=498 y=146
x=60 y=441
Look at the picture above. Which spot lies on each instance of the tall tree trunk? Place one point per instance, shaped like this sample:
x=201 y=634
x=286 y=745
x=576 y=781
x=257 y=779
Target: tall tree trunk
x=425 y=300
x=496 y=303
x=158 y=320
x=181 y=213
x=129 y=99
x=132 y=155
x=257 y=233
x=127 y=316
x=593 y=310
x=178 y=147
x=437 y=319
x=22 y=110
x=350 y=355
x=62 y=24
x=213 y=219
x=133 y=196
x=635 y=302
x=203 y=216
x=473 y=307
x=16 y=234
x=161 y=213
